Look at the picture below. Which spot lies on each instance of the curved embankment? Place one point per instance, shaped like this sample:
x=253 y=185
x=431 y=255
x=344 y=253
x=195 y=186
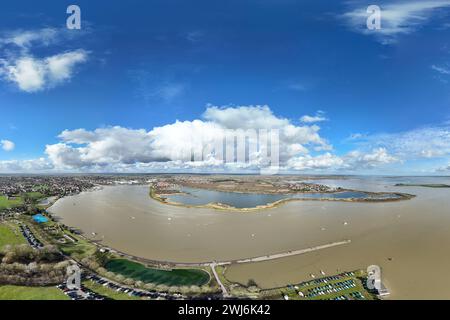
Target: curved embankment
x=226 y=207
x=229 y=262
x=292 y=253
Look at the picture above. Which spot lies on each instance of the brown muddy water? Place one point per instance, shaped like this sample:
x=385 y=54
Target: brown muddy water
x=410 y=239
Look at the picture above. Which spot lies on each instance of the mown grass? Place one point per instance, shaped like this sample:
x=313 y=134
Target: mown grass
x=6 y=203
x=35 y=195
x=31 y=293
x=78 y=250
x=175 y=277
x=9 y=203
x=10 y=235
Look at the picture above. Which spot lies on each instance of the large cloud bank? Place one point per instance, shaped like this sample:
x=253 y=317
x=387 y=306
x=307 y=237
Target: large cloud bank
x=177 y=146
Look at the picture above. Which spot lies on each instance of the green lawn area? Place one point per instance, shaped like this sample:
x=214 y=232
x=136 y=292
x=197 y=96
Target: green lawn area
x=78 y=250
x=108 y=292
x=6 y=204
x=35 y=195
x=8 y=236
x=31 y=293
x=175 y=277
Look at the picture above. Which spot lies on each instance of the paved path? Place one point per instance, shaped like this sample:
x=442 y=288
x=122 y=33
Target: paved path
x=224 y=290
x=224 y=263
x=292 y=253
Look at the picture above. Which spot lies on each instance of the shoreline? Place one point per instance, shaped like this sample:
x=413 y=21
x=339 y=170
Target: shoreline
x=225 y=207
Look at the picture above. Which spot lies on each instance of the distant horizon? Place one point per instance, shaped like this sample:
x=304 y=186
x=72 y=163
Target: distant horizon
x=221 y=174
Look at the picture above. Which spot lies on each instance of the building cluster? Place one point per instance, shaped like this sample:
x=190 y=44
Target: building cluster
x=59 y=185
x=9 y=212
x=308 y=187
x=162 y=187
x=14 y=186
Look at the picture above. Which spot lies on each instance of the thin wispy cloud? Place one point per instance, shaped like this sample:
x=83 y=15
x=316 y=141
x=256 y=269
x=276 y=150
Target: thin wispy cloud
x=356 y=136
x=169 y=91
x=318 y=117
x=27 y=38
x=296 y=87
x=154 y=87
x=397 y=19
x=441 y=69
x=194 y=36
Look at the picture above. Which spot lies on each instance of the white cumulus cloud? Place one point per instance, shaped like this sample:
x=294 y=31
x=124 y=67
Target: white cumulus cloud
x=325 y=161
x=7 y=145
x=354 y=160
x=181 y=140
x=31 y=74
x=191 y=146
x=377 y=157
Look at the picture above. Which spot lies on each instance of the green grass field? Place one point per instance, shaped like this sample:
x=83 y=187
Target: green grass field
x=35 y=195
x=78 y=250
x=10 y=234
x=31 y=293
x=176 y=277
x=6 y=204
x=108 y=292
x=11 y=203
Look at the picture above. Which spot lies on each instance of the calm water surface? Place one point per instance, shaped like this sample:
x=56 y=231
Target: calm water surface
x=196 y=197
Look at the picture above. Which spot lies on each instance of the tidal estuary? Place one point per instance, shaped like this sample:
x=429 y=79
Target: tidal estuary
x=408 y=239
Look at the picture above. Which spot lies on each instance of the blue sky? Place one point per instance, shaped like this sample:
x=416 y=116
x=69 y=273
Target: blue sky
x=382 y=95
